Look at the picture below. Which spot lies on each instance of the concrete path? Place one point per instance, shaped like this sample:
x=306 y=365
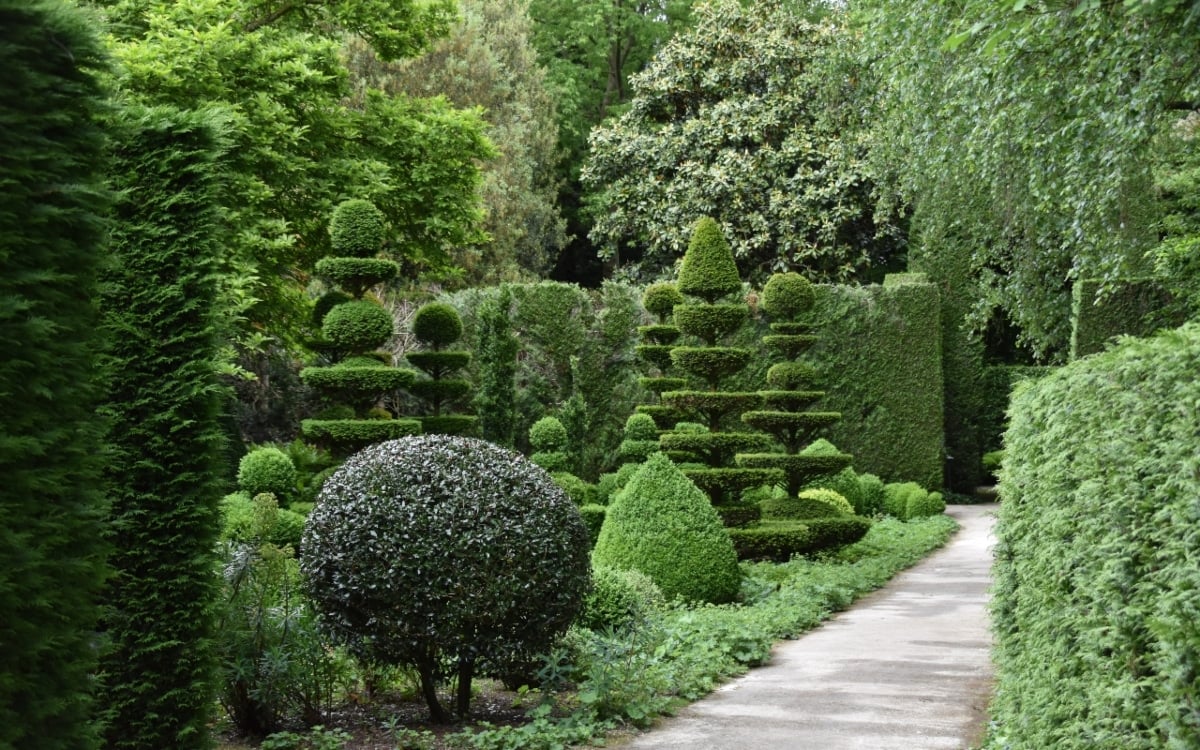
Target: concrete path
x=907 y=668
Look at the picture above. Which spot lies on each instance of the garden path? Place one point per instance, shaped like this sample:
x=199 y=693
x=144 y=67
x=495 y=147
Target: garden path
x=906 y=668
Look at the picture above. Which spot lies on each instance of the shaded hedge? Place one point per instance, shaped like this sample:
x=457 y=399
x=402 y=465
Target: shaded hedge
x=1095 y=607
x=1136 y=307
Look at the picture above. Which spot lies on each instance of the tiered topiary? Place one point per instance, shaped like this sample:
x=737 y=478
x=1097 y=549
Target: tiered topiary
x=447 y=554
x=353 y=329
x=709 y=273
x=641 y=439
x=660 y=300
x=548 y=437
x=796 y=524
x=663 y=526
x=437 y=325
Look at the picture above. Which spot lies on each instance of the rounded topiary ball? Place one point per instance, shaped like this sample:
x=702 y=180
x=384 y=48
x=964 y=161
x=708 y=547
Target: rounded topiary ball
x=791 y=376
x=358 y=326
x=444 y=545
x=267 y=469
x=787 y=296
x=641 y=427
x=660 y=299
x=356 y=229
x=548 y=434
x=437 y=324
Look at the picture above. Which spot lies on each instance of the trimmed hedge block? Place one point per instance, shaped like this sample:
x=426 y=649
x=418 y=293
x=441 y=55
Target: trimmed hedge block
x=711 y=322
x=776 y=541
x=344 y=433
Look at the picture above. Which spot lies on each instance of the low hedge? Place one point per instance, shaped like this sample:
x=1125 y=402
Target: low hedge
x=1095 y=608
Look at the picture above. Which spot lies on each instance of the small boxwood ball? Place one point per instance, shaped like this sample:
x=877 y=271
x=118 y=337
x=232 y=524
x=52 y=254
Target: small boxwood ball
x=641 y=427
x=358 y=326
x=791 y=376
x=356 y=229
x=660 y=299
x=267 y=469
x=548 y=434
x=444 y=545
x=437 y=324
x=619 y=598
x=787 y=296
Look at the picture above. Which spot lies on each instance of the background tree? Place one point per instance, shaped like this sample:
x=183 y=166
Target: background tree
x=163 y=465
x=752 y=117
x=488 y=61
x=496 y=399
x=52 y=230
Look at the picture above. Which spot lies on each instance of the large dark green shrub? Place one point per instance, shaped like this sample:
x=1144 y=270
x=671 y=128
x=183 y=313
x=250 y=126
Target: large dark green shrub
x=1095 y=608
x=662 y=525
x=443 y=550
x=438 y=325
x=164 y=472
x=52 y=208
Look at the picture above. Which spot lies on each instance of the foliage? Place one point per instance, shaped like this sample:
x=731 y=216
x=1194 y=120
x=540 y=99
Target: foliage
x=437 y=325
x=488 y=61
x=708 y=270
x=872 y=494
x=267 y=469
x=1134 y=307
x=581 y=492
x=620 y=598
x=163 y=470
x=909 y=500
x=752 y=117
x=787 y=296
x=1095 y=607
x=663 y=526
x=394 y=522
x=829 y=498
x=999 y=383
x=358 y=326
x=356 y=229
x=548 y=438
x=496 y=399
x=660 y=299
x=51 y=248
x=641 y=438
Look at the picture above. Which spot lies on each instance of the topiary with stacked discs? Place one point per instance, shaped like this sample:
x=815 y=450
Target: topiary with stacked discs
x=660 y=300
x=793 y=526
x=437 y=325
x=353 y=329
x=709 y=275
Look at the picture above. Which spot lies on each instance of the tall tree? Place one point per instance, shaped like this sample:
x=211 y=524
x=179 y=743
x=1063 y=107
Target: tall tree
x=52 y=227
x=488 y=61
x=752 y=118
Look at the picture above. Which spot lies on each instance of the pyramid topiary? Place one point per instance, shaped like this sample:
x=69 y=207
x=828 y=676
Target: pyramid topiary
x=708 y=272
x=665 y=527
x=353 y=328
x=437 y=325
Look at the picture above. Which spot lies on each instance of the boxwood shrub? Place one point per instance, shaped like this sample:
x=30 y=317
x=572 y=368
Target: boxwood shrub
x=620 y=598
x=1095 y=608
x=267 y=469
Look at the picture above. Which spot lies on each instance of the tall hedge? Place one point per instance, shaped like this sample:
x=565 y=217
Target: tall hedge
x=496 y=400
x=1137 y=307
x=52 y=228
x=880 y=358
x=157 y=681
x=1096 y=611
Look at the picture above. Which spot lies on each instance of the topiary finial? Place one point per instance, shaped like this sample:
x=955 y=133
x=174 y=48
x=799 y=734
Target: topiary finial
x=660 y=299
x=356 y=229
x=786 y=296
x=708 y=270
x=437 y=324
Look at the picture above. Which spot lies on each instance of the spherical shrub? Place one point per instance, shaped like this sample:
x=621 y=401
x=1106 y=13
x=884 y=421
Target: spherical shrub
x=787 y=296
x=791 y=376
x=660 y=299
x=845 y=483
x=356 y=229
x=925 y=505
x=358 y=326
x=662 y=525
x=548 y=434
x=580 y=492
x=434 y=548
x=437 y=324
x=267 y=469
x=641 y=427
x=619 y=598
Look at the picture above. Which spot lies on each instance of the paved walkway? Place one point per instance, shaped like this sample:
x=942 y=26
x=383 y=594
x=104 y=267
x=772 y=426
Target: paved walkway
x=907 y=668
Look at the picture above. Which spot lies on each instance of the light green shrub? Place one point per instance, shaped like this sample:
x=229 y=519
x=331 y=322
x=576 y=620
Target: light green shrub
x=267 y=469
x=871 y=495
x=581 y=492
x=619 y=598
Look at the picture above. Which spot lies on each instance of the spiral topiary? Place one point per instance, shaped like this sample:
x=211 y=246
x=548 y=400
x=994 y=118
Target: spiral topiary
x=356 y=229
x=435 y=550
x=267 y=469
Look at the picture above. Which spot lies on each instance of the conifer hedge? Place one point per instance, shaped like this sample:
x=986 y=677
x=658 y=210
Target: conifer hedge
x=52 y=208
x=1095 y=608
x=157 y=680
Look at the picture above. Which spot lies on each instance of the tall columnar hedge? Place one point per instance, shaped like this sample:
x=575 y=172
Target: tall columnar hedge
x=1096 y=611
x=162 y=467
x=52 y=208
x=353 y=328
x=880 y=361
x=1136 y=307
x=496 y=399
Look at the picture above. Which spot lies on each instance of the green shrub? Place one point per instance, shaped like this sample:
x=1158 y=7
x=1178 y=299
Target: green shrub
x=358 y=326
x=437 y=324
x=786 y=296
x=548 y=434
x=792 y=376
x=711 y=322
x=816 y=503
x=327 y=302
x=776 y=541
x=708 y=270
x=663 y=526
x=845 y=483
x=924 y=505
x=992 y=461
x=899 y=496
x=660 y=300
x=398 y=517
x=871 y=495
x=641 y=438
x=1095 y=606
x=356 y=275
x=611 y=483
x=593 y=517
x=267 y=469
x=620 y=598
x=581 y=492
x=1133 y=307
x=356 y=229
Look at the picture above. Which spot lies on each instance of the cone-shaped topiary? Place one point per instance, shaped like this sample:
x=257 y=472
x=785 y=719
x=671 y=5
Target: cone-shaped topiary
x=708 y=270
x=438 y=325
x=665 y=527
x=356 y=229
x=447 y=554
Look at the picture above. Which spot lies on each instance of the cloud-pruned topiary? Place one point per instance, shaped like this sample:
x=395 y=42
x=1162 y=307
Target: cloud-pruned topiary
x=441 y=550
x=356 y=229
x=662 y=525
x=267 y=469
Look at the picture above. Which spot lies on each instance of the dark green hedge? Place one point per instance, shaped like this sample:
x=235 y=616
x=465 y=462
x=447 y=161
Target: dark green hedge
x=354 y=433
x=720 y=447
x=1095 y=606
x=880 y=362
x=52 y=209
x=1137 y=307
x=776 y=541
x=998 y=384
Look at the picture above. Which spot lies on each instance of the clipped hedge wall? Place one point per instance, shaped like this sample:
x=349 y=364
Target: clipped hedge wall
x=880 y=362
x=1136 y=307
x=1095 y=610
x=998 y=384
